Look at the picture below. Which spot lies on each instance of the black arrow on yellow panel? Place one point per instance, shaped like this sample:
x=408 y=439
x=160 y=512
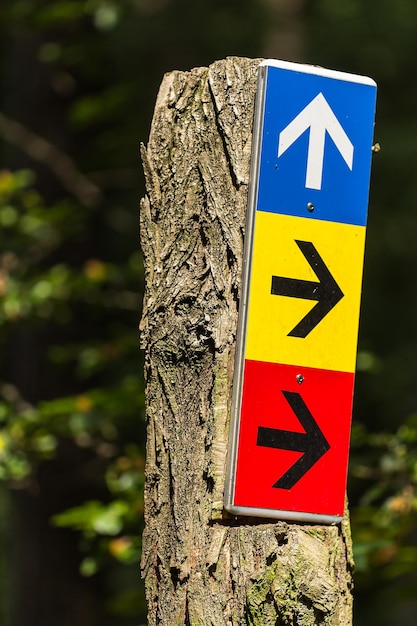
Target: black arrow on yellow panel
x=312 y=443
x=327 y=292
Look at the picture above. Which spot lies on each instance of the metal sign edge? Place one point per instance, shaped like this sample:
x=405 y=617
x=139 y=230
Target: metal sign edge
x=317 y=70
x=243 y=305
x=295 y=516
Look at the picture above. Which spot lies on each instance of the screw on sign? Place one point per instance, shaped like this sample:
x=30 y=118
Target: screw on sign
x=299 y=312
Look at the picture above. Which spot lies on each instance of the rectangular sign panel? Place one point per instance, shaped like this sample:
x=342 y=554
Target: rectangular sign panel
x=299 y=310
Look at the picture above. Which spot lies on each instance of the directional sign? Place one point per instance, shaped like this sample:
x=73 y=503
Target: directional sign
x=299 y=311
x=311 y=443
x=326 y=291
x=304 y=479
x=331 y=344
x=320 y=119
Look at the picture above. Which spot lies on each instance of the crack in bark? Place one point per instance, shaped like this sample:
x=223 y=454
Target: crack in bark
x=220 y=131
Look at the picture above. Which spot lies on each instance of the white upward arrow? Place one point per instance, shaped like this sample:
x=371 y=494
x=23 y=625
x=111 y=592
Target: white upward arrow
x=319 y=118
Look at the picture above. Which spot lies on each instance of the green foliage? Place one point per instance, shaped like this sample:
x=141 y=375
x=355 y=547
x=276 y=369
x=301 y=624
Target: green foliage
x=101 y=419
x=387 y=514
x=71 y=275
x=103 y=526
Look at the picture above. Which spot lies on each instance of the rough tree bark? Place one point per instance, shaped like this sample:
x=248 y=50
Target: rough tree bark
x=202 y=567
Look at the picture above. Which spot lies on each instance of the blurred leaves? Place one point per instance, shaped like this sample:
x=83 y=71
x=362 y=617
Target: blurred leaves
x=41 y=289
x=55 y=279
x=384 y=468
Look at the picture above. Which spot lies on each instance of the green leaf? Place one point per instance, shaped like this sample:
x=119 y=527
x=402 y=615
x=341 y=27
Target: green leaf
x=95 y=518
x=88 y=566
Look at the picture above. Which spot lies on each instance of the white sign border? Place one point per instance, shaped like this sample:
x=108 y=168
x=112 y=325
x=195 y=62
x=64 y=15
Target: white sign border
x=317 y=70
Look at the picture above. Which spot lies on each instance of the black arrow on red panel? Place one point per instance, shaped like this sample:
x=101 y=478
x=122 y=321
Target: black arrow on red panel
x=312 y=442
x=327 y=292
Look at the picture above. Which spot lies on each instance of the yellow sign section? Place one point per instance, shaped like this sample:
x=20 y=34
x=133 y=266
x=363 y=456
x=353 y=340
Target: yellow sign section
x=305 y=291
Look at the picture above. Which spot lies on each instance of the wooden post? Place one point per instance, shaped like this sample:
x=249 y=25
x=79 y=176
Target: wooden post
x=202 y=567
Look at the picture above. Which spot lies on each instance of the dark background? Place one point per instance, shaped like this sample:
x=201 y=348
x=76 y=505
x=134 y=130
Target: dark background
x=78 y=85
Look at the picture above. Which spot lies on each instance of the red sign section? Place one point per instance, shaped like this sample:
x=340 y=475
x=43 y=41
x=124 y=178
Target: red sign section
x=293 y=439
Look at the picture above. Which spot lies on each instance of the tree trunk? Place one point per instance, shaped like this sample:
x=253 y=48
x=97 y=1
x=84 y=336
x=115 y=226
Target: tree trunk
x=201 y=566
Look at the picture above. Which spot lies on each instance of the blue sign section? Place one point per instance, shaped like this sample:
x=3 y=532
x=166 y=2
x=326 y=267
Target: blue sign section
x=316 y=144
